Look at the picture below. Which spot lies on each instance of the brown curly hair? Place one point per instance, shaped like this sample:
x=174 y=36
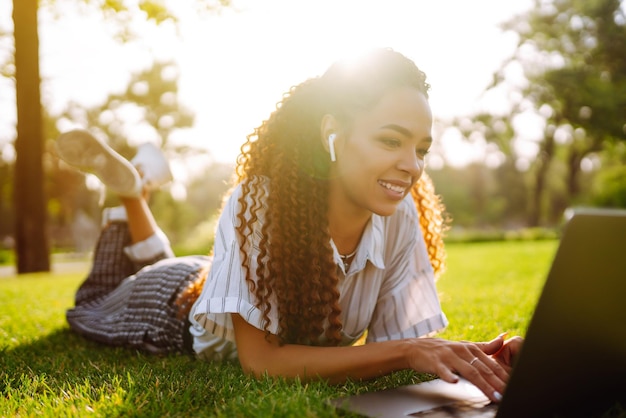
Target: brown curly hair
x=295 y=262
x=434 y=221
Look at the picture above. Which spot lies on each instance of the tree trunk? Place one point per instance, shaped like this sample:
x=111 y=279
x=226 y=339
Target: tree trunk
x=31 y=239
x=544 y=160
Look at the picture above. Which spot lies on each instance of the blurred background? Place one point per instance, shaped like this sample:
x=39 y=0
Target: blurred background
x=529 y=99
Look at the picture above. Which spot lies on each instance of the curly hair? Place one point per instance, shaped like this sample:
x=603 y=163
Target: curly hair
x=434 y=221
x=295 y=265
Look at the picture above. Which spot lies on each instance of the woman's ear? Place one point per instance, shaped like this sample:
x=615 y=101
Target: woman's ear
x=329 y=130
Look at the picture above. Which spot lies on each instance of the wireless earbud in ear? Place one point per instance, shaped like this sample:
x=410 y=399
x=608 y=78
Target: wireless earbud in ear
x=331 y=147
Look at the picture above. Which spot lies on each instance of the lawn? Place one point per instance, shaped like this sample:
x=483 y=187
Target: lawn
x=45 y=370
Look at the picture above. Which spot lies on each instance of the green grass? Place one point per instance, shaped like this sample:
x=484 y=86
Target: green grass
x=46 y=370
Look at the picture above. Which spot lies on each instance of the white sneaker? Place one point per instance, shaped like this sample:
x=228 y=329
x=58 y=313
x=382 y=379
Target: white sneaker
x=152 y=166
x=83 y=151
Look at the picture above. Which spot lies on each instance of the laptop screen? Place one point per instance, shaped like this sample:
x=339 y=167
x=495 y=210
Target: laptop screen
x=573 y=361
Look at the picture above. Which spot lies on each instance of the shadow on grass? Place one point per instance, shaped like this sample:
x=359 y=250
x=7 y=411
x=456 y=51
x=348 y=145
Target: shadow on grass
x=63 y=368
x=64 y=374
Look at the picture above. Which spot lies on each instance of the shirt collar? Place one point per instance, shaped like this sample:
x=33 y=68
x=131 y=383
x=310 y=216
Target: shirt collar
x=370 y=248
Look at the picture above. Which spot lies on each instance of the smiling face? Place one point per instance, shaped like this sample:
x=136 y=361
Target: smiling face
x=381 y=156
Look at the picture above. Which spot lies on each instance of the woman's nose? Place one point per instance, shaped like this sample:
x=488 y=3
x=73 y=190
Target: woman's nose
x=412 y=164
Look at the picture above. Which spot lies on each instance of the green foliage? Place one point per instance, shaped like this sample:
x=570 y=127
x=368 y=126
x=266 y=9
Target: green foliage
x=190 y=222
x=478 y=197
x=156 y=10
x=6 y=257
x=609 y=188
x=200 y=240
x=7 y=220
x=47 y=370
x=488 y=202
x=123 y=16
x=571 y=54
x=152 y=93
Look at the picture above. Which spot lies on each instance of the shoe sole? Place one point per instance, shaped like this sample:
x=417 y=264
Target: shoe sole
x=83 y=151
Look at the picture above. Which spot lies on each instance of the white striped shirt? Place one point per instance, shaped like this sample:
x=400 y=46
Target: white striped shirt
x=388 y=291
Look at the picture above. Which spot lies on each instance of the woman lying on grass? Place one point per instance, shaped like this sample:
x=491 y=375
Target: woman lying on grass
x=327 y=235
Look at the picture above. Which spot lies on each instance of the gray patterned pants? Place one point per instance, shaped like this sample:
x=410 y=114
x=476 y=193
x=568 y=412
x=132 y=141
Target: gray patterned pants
x=122 y=303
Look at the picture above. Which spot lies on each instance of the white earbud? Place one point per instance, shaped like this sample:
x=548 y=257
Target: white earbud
x=331 y=147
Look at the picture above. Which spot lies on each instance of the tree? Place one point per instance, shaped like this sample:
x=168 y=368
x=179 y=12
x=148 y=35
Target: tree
x=30 y=230
x=32 y=250
x=571 y=53
x=584 y=89
x=152 y=92
x=509 y=190
x=609 y=188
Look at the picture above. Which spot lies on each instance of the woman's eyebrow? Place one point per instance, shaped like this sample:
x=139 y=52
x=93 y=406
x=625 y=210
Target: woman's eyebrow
x=398 y=128
x=404 y=131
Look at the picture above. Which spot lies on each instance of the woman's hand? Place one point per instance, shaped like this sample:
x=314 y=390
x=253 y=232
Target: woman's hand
x=473 y=361
x=506 y=354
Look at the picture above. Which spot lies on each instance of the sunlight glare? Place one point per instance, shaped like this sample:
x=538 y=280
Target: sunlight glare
x=235 y=65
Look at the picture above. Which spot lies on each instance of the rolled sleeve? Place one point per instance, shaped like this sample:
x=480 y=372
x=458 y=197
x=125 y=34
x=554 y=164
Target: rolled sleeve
x=154 y=246
x=226 y=290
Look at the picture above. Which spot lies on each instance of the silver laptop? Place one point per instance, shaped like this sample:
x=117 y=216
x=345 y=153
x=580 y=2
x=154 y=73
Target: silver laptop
x=573 y=362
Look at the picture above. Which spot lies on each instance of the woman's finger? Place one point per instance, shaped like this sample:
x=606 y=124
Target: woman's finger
x=481 y=372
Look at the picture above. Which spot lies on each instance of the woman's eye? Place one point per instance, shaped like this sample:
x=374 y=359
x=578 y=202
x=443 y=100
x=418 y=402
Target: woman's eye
x=422 y=153
x=391 y=142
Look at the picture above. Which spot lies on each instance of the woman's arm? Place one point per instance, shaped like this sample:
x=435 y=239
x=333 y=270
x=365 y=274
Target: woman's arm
x=336 y=364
